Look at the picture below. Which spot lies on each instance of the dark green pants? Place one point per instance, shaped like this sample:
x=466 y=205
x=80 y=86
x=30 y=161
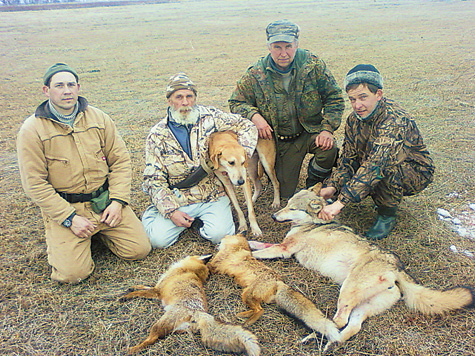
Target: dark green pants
x=400 y=181
x=290 y=156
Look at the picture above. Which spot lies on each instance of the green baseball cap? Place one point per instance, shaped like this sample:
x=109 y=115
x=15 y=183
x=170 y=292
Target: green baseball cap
x=56 y=68
x=282 y=31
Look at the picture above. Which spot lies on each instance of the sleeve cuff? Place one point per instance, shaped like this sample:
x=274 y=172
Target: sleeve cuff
x=120 y=201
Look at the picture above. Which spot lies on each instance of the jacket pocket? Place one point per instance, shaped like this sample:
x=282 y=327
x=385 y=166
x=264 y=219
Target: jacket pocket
x=59 y=172
x=310 y=103
x=97 y=166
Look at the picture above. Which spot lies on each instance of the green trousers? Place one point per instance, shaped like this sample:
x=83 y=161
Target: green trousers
x=290 y=156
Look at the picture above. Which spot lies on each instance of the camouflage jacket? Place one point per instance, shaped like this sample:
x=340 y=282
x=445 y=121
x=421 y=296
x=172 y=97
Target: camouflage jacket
x=373 y=148
x=316 y=96
x=167 y=164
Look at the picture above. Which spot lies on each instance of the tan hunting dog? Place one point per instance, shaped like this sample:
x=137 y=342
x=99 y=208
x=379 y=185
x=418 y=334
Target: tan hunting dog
x=180 y=289
x=372 y=280
x=264 y=285
x=231 y=166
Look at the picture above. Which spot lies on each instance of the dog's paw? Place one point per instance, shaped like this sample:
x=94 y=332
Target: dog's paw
x=256 y=231
x=275 y=205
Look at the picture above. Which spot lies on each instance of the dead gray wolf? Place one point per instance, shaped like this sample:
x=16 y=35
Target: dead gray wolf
x=372 y=280
x=264 y=285
x=180 y=289
x=231 y=166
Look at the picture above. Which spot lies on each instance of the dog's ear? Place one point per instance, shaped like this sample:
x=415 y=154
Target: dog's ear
x=314 y=206
x=316 y=188
x=214 y=158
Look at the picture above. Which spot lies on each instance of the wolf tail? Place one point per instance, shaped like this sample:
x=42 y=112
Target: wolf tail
x=430 y=301
x=296 y=304
x=224 y=337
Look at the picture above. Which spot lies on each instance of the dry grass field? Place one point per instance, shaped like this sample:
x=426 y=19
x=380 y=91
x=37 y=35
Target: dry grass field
x=124 y=55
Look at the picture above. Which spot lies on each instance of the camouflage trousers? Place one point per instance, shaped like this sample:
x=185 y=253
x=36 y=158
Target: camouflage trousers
x=290 y=156
x=400 y=181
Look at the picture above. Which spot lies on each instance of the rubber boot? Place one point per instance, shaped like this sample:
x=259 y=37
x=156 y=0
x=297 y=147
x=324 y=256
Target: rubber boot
x=316 y=174
x=384 y=223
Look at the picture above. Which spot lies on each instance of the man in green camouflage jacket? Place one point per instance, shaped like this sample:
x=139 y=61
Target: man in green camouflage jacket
x=383 y=153
x=175 y=149
x=291 y=96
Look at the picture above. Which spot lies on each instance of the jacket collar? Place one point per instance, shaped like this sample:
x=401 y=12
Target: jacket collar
x=300 y=59
x=378 y=110
x=43 y=110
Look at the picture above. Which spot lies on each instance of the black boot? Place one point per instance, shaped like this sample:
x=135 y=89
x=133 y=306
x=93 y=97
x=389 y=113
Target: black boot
x=384 y=223
x=316 y=174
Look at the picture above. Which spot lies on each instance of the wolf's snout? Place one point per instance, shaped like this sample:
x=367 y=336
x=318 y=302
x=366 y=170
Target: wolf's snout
x=241 y=181
x=274 y=216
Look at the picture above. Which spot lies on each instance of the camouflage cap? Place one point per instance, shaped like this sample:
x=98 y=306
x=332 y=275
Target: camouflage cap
x=56 y=68
x=179 y=81
x=282 y=31
x=363 y=73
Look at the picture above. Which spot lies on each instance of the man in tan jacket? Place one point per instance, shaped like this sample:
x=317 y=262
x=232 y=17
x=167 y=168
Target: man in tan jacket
x=76 y=168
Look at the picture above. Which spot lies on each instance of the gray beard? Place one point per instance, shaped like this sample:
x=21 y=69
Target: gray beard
x=185 y=118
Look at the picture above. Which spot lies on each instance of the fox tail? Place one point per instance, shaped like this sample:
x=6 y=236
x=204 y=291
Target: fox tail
x=224 y=337
x=294 y=303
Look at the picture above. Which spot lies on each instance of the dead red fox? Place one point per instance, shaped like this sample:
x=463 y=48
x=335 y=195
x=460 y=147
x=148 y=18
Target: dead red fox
x=180 y=289
x=263 y=285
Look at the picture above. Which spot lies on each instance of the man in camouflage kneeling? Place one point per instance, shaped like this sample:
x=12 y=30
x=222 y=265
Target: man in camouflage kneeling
x=383 y=153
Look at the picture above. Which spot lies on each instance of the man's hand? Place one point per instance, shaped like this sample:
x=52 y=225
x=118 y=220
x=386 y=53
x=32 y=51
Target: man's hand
x=112 y=215
x=327 y=192
x=82 y=227
x=324 y=140
x=265 y=131
x=330 y=211
x=181 y=219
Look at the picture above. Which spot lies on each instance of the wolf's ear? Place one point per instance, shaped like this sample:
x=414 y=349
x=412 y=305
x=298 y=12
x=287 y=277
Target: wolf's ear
x=316 y=188
x=314 y=206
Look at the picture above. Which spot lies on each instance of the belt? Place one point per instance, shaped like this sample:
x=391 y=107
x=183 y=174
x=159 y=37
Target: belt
x=82 y=197
x=288 y=137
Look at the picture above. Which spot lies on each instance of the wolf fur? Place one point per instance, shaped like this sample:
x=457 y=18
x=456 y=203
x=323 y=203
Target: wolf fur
x=180 y=289
x=263 y=284
x=372 y=280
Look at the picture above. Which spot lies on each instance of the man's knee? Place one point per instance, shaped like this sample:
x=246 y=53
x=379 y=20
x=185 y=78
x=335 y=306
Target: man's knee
x=157 y=242
x=215 y=233
x=325 y=159
x=71 y=274
x=137 y=251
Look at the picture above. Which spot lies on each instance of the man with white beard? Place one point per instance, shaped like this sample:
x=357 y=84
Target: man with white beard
x=183 y=194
